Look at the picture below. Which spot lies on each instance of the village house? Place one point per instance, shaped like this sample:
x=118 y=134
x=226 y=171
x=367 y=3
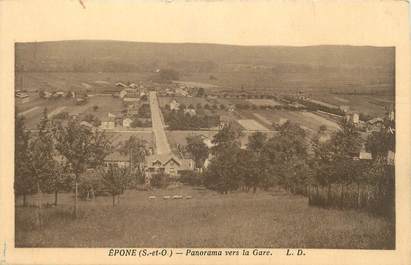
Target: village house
x=174 y=105
x=352 y=117
x=191 y=112
x=108 y=123
x=181 y=92
x=120 y=84
x=375 y=125
x=122 y=93
x=168 y=164
x=23 y=97
x=127 y=122
x=344 y=108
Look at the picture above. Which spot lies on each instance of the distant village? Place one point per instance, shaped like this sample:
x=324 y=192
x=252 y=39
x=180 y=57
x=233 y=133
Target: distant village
x=135 y=115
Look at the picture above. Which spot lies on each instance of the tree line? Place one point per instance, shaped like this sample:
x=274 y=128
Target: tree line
x=66 y=156
x=330 y=173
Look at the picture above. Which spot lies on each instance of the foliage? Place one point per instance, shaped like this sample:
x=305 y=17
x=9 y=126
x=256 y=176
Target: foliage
x=23 y=181
x=159 y=180
x=197 y=148
x=178 y=120
x=116 y=180
x=90 y=118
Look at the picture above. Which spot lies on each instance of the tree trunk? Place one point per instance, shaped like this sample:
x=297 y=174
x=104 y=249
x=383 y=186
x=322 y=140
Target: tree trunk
x=75 y=197
x=358 y=196
x=55 y=197
x=254 y=189
x=367 y=200
x=114 y=200
x=308 y=194
x=40 y=202
x=329 y=195
x=342 y=196
x=24 y=200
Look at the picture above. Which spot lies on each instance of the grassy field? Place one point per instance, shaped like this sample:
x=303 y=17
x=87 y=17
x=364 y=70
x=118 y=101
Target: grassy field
x=266 y=219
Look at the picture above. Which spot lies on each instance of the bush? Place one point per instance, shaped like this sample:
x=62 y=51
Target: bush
x=191 y=178
x=160 y=180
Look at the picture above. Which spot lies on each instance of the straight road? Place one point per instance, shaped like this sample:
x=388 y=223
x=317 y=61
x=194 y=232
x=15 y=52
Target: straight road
x=162 y=145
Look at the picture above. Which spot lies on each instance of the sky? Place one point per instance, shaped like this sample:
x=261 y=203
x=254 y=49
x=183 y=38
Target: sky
x=260 y=22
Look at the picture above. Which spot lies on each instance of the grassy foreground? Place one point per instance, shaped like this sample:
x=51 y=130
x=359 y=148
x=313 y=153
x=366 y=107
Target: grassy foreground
x=265 y=219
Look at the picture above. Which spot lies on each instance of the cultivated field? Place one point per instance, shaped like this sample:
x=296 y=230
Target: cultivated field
x=307 y=120
x=33 y=110
x=252 y=125
x=94 y=82
x=374 y=105
x=266 y=219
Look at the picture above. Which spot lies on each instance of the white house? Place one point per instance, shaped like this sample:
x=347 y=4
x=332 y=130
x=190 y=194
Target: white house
x=108 y=123
x=174 y=105
x=191 y=112
x=344 y=108
x=123 y=93
x=127 y=122
x=168 y=164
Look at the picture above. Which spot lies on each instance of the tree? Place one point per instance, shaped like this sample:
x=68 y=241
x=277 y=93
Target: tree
x=90 y=118
x=256 y=142
x=223 y=173
x=136 y=149
x=23 y=180
x=382 y=141
x=95 y=107
x=40 y=158
x=81 y=148
x=200 y=92
x=248 y=169
x=116 y=180
x=198 y=149
x=144 y=111
x=167 y=75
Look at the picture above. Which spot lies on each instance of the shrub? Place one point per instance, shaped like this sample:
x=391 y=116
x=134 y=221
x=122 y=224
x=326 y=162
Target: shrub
x=160 y=180
x=191 y=178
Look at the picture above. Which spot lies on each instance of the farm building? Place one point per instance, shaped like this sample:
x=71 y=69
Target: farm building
x=167 y=163
x=117 y=159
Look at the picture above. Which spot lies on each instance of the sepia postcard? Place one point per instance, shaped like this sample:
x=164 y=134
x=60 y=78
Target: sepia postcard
x=205 y=132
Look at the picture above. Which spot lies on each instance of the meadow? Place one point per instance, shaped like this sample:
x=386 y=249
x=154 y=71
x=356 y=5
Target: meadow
x=272 y=219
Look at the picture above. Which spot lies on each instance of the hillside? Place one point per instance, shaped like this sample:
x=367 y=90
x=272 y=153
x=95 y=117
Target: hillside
x=133 y=56
x=339 y=68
